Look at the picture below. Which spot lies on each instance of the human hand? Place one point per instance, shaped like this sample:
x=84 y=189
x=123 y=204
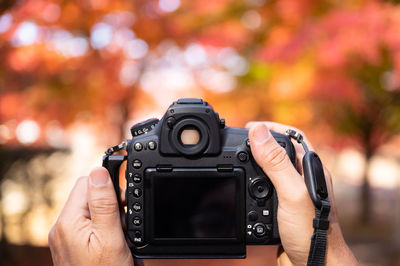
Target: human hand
x=88 y=230
x=295 y=208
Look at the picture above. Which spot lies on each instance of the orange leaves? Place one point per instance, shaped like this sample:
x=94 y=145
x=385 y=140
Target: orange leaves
x=10 y=105
x=24 y=59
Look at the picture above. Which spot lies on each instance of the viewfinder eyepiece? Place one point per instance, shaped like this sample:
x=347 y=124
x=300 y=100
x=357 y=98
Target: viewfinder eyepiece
x=190 y=136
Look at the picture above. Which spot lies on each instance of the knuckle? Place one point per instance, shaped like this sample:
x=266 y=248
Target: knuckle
x=104 y=206
x=58 y=232
x=62 y=227
x=51 y=236
x=275 y=158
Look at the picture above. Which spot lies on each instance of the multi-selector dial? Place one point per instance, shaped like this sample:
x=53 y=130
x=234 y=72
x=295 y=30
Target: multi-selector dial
x=259 y=188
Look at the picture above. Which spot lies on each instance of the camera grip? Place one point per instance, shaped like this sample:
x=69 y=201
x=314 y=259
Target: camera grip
x=112 y=163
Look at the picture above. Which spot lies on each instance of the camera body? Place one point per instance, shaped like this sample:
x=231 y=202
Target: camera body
x=201 y=196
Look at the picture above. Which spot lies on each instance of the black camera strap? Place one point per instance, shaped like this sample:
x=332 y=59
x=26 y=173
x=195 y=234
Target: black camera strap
x=317 y=252
x=316 y=185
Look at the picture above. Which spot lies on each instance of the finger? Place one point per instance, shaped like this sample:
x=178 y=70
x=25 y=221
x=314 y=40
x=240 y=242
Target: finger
x=77 y=205
x=102 y=201
x=273 y=159
x=122 y=208
x=281 y=128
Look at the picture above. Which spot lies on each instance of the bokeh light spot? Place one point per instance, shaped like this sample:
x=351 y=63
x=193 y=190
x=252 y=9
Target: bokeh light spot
x=27 y=132
x=217 y=80
x=129 y=73
x=195 y=55
x=14 y=199
x=68 y=45
x=55 y=135
x=136 y=49
x=169 y=5
x=101 y=35
x=5 y=22
x=25 y=34
x=251 y=19
x=232 y=61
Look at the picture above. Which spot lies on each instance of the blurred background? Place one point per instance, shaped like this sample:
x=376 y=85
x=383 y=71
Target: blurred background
x=76 y=74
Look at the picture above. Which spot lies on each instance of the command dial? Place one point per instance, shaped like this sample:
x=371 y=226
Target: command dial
x=259 y=188
x=143 y=127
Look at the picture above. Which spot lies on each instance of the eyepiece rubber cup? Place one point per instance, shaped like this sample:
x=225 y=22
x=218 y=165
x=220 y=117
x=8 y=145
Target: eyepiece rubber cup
x=190 y=123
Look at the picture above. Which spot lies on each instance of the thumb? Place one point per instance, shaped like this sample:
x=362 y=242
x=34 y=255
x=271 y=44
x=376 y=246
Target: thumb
x=273 y=159
x=102 y=201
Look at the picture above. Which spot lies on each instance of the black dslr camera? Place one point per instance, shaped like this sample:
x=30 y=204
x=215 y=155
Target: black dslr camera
x=193 y=188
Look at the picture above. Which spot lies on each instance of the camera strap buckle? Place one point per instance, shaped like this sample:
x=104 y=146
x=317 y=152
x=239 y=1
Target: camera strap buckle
x=116 y=148
x=112 y=163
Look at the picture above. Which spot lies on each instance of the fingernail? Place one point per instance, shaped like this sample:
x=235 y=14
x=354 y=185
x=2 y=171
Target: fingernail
x=99 y=178
x=261 y=134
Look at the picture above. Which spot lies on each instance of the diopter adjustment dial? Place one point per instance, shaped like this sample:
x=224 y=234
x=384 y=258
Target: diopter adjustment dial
x=143 y=127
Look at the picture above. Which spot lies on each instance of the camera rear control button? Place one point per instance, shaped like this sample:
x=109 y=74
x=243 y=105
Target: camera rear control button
x=152 y=145
x=137 y=237
x=138 y=234
x=259 y=189
x=137 y=178
x=137 y=220
x=137 y=207
x=137 y=192
x=242 y=156
x=265 y=212
x=259 y=229
x=222 y=123
x=138 y=146
x=247 y=142
x=137 y=164
x=171 y=122
x=253 y=216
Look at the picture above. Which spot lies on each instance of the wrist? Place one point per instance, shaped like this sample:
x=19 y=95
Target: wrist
x=338 y=253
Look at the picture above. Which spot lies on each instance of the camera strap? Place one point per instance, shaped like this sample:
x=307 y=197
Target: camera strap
x=316 y=256
x=316 y=185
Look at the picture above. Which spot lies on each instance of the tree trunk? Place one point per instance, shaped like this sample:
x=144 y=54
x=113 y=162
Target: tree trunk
x=366 y=197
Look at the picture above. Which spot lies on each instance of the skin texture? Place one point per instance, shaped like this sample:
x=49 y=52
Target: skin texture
x=88 y=230
x=295 y=208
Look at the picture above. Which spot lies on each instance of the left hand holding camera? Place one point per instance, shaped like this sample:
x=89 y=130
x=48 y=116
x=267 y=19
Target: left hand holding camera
x=88 y=230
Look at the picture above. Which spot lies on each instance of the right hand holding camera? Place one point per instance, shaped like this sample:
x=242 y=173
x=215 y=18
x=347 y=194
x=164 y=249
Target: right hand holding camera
x=295 y=209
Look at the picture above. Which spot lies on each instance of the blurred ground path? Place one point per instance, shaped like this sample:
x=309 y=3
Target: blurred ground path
x=373 y=243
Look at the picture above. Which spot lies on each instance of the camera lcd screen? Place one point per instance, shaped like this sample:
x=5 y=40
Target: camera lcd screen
x=195 y=207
